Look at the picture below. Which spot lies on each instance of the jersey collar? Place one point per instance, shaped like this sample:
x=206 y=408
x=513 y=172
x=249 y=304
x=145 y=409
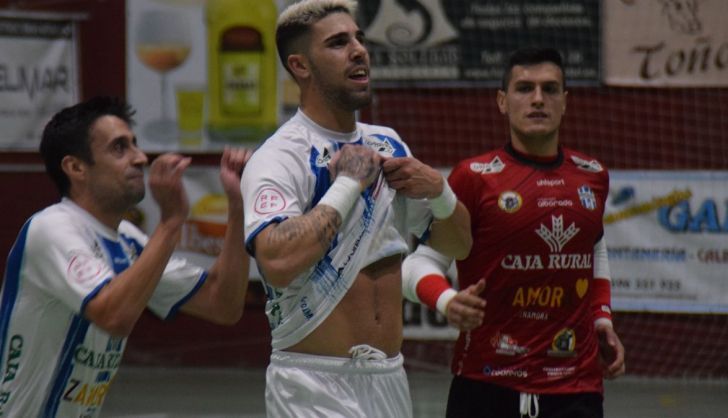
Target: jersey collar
x=328 y=133
x=542 y=163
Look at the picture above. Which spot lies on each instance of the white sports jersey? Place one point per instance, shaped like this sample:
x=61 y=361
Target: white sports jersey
x=56 y=363
x=286 y=177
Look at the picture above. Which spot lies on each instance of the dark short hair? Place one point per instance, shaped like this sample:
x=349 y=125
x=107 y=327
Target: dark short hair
x=67 y=133
x=531 y=56
x=295 y=22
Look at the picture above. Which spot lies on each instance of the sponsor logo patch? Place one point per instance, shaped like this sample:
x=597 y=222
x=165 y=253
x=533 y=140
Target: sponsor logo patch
x=83 y=268
x=495 y=166
x=552 y=202
x=379 y=145
x=559 y=372
x=550 y=182
x=591 y=165
x=582 y=285
x=269 y=201
x=563 y=344
x=557 y=236
x=490 y=371
x=506 y=345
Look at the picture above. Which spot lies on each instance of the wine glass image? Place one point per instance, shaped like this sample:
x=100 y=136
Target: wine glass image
x=162 y=44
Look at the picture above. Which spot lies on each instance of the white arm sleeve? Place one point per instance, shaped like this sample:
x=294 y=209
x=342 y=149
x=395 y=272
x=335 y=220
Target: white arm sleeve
x=424 y=261
x=601 y=260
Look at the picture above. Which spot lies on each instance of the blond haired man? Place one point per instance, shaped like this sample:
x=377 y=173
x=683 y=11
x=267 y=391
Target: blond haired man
x=330 y=204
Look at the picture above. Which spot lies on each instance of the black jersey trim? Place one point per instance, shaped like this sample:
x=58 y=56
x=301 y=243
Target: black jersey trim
x=538 y=164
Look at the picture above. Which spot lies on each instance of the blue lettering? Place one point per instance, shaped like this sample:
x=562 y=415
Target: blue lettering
x=679 y=218
x=675 y=218
x=706 y=219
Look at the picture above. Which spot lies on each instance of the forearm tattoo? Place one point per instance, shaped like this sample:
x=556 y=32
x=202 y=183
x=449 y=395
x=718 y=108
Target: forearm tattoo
x=321 y=223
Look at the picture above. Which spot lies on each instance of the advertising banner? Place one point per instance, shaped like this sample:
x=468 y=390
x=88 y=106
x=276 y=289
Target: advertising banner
x=667 y=236
x=38 y=75
x=203 y=74
x=660 y=43
x=446 y=42
x=204 y=230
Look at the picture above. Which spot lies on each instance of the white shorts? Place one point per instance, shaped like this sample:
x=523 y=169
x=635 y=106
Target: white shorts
x=304 y=385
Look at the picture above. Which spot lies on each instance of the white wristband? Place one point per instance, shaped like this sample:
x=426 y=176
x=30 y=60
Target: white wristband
x=342 y=195
x=444 y=299
x=444 y=205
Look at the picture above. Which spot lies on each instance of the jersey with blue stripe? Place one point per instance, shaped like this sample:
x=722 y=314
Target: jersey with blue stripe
x=55 y=362
x=286 y=177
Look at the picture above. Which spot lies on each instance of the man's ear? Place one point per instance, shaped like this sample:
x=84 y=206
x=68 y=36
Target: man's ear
x=298 y=64
x=74 y=167
x=501 y=100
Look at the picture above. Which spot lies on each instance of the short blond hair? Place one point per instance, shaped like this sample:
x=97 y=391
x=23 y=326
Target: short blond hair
x=296 y=20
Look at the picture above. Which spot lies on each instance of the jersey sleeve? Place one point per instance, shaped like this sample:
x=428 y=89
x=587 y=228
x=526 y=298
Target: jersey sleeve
x=61 y=260
x=179 y=282
x=274 y=189
x=418 y=218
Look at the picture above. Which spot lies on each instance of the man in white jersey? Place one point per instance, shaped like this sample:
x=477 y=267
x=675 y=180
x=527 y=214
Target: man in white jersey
x=79 y=277
x=330 y=203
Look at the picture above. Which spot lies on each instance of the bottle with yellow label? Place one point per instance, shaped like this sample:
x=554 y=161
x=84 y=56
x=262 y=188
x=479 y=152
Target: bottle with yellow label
x=242 y=79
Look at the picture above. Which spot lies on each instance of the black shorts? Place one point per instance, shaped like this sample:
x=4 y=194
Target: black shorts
x=475 y=399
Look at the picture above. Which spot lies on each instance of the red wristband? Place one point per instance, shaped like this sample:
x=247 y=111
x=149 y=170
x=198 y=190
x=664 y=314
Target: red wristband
x=429 y=289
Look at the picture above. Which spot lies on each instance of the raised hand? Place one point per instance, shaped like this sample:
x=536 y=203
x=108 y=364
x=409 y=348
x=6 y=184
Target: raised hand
x=232 y=164
x=165 y=183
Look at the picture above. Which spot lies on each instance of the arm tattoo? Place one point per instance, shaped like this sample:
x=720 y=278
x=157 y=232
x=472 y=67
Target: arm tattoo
x=322 y=222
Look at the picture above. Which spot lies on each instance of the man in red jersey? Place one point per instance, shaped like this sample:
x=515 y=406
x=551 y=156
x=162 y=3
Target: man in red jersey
x=545 y=340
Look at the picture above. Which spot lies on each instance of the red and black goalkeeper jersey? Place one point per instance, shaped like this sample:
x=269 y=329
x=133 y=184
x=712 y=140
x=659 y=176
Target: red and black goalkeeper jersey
x=534 y=226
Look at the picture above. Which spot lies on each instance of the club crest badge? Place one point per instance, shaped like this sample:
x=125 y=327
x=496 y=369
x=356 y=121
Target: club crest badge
x=586 y=197
x=510 y=201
